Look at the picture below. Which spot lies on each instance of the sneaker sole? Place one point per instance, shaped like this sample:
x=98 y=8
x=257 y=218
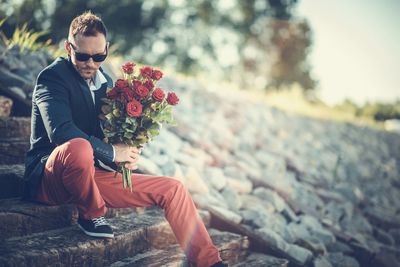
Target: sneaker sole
x=96 y=234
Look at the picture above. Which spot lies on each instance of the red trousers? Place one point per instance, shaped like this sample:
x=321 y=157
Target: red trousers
x=71 y=177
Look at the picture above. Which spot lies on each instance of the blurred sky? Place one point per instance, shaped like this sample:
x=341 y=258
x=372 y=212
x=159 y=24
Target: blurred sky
x=356 y=52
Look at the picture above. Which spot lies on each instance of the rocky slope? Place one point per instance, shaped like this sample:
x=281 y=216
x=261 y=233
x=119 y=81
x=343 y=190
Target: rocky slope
x=302 y=189
x=305 y=192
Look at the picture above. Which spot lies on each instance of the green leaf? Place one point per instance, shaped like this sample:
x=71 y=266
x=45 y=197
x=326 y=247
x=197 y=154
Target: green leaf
x=107 y=100
x=106 y=109
x=109 y=116
x=116 y=113
x=128 y=135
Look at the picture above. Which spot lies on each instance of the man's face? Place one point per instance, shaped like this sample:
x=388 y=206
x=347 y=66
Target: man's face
x=90 y=45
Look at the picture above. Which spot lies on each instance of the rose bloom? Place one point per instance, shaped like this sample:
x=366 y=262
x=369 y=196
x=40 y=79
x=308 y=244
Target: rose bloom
x=149 y=84
x=121 y=83
x=146 y=72
x=142 y=91
x=128 y=67
x=136 y=83
x=134 y=108
x=158 y=95
x=156 y=75
x=128 y=94
x=113 y=93
x=172 y=99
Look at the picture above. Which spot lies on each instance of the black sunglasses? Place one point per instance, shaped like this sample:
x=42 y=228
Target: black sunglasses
x=86 y=57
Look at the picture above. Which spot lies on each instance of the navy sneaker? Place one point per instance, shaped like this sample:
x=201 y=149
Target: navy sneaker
x=97 y=227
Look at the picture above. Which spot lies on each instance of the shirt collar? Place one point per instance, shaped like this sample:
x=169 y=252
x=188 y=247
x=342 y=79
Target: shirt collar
x=96 y=82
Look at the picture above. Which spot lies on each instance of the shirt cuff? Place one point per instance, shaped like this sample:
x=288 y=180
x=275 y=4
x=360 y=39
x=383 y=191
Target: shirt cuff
x=113 y=153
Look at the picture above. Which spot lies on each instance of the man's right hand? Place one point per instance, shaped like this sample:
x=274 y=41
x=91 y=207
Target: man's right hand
x=127 y=154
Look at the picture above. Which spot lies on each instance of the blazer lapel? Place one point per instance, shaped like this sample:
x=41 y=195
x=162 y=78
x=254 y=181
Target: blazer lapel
x=83 y=87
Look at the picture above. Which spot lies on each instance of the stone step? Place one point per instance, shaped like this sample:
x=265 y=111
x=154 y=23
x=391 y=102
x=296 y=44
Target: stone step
x=11 y=184
x=260 y=259
x=5 y=106
x=15 y=127
x=233 y=249
x=13 y=150
x=19 y=218
x=69 y=246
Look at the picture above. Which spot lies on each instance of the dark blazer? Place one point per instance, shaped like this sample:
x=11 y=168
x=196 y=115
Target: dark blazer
x=62 y=109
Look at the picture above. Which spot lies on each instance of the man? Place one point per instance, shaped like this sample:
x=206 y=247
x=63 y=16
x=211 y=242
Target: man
x=67 y=161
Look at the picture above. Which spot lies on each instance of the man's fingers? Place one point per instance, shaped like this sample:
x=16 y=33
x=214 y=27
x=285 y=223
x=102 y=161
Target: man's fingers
x=135 y=150
x=131 y=166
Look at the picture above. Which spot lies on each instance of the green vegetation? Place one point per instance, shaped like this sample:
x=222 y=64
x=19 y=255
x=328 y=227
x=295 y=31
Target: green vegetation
x=254 y=43
x=27 y=40
x=379 y=111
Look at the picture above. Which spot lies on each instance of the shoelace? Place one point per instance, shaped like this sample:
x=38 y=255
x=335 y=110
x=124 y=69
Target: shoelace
x=99 y=221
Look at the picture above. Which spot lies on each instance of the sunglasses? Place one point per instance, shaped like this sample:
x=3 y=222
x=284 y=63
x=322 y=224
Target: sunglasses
x=86 y=57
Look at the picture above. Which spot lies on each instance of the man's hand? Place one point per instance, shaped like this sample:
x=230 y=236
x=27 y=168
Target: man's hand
x=127 y=154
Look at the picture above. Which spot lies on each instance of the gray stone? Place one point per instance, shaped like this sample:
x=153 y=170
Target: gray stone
x=259 y=259
x=321 y=261
x=15 y=127
x=215 y=177
x=383 y=237
x=253 y=202
x=299 y=231
x=325 y=236
x=312 y=244
x=234 y=172
x=232 y=248
x=206 y=200
x=299 y=255
x=273 y=239
x=5 y=106
x=339 y=247
x=239 y=185
x=225 y=213
x=352 y=193
x=73 y=248
x=231 y=198
x=395 y=234
x=271 y=197
x=341 y=260
x=194 y=182
x=13 y=151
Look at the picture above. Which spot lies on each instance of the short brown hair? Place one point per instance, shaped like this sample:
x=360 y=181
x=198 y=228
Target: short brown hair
x=87 y=24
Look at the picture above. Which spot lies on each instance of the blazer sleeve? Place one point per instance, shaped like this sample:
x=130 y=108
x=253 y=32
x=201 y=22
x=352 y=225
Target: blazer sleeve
x=52 y=99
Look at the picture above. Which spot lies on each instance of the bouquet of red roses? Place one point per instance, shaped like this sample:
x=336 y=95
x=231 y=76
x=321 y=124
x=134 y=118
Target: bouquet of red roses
x=135 y=110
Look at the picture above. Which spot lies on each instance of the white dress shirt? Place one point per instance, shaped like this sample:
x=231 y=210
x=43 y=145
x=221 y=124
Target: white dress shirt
x=95 y=84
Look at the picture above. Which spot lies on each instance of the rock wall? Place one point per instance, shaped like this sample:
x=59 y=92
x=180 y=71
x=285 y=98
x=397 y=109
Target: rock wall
x=303 y=189
x=18 y=72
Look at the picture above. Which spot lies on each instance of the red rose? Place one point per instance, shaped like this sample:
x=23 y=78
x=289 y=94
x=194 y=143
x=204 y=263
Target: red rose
x=142 y=91
x=128 y=67
x=136 y=83
x=128 y=94
x=121 y=83
x=172 y=99
x=149 y=84
x=134 y=108
x=146 y=72
x=156 y=75
x=158 y=95
x=113 y=93
x=120 y=94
